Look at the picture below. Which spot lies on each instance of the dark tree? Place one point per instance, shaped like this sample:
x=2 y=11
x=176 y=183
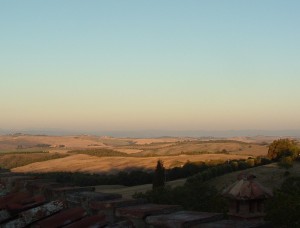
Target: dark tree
x=283 y=209
x=286 y=162
x=159 y=175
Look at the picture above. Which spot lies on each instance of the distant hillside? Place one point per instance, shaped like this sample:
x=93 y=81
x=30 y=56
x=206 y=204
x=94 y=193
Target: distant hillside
x=200 y=147
x=160 y=133
x=143 y=146
x=139 y=153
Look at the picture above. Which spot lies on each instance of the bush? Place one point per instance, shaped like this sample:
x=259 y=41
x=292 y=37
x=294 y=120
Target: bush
x=257 y=161
x=194 y=196
x=286 y=162
x=265 y=161
x=243 y=165
x=234 y=165
x=250 y=162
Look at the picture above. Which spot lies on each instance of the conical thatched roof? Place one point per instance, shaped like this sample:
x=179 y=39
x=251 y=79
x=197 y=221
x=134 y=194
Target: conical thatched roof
x=247 y=188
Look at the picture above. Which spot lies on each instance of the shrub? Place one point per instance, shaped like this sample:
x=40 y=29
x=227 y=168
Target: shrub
x=193 y=196
x=234 y=165
x=265 y=161
x=250 y=162
x=286 y=162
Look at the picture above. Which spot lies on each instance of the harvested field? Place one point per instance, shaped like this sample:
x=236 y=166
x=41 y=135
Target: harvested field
x=31 y=142
x=92 y=164
x=12 y=160
x=153 y=146
x=143 y=153
x=232 y=147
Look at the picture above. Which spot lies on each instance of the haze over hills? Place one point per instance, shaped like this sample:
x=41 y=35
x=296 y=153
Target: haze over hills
x=159 y=133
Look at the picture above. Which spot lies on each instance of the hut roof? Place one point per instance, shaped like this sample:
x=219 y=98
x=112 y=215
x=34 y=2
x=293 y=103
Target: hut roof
x=247 y=188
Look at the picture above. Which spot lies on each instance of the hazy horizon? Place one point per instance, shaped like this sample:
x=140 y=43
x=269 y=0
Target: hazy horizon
x=157 y=133
x=112 y=66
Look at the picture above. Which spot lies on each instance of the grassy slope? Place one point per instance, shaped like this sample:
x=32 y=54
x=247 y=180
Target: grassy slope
x=127 y=192
x=270 y=176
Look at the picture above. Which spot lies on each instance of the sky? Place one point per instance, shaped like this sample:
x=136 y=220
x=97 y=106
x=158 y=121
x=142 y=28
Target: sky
x=149 y=65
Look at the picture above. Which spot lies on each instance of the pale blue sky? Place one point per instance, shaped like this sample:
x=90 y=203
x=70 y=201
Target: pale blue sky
x=136 y=65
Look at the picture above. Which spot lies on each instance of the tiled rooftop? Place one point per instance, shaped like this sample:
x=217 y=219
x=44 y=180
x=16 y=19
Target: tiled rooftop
x=27 y=201
x=247 y=188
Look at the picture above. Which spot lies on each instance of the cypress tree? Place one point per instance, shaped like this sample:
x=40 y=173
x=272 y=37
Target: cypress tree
x=159 y=175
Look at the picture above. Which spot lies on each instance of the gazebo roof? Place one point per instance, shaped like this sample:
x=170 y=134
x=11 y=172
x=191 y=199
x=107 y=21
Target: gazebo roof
x=246 y=188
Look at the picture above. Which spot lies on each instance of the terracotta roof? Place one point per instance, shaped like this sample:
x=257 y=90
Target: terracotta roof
x=235 y=224
x=32 y=215
x=101 y=205
x=13 y=198
x=62 y=218
x=28 y=202
x=81 y=197
x=92 y=221
x=182 y=219
x=141 y=211
x=247 y=188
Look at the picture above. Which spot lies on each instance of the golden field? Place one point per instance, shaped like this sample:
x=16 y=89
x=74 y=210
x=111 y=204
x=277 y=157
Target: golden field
x=137 y=153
